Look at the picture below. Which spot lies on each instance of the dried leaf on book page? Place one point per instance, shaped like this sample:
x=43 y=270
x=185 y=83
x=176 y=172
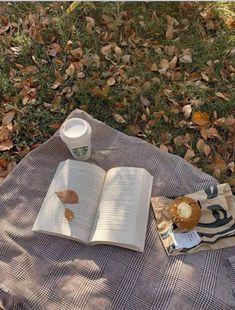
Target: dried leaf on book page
x=68 y=214
x=68 y=196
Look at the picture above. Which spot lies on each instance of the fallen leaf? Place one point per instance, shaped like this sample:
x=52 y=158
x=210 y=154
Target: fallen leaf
x=111 y=81
x=7 y=118
x=200 y=118
x=210 y=133
x=4 y=134
x=222 y=96
x=119 y=119
x=163 y=148
x=105 y=50
x=6 y=145
x=173 y=62
x=144 y=101
x=231 y=166
x=68 y=214
x=68 y=196
x=189 y=154
x=187 y=109
x=153 y=67
x=70 y=70
x=126 y=59
x=187 y=59
x=182 y=140
x=80 y=75
x=77 y=52
x=230 y=23
x=118 y=51
x=54 y=49
x=206 y=149
x=218 y=166
x=56 y=85
x=170 y=27
x=133 y=130
x=90 y=24
x=164 y=63
x=205 y=77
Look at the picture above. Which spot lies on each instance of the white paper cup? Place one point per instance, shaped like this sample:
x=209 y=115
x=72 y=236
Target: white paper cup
x=76 y=134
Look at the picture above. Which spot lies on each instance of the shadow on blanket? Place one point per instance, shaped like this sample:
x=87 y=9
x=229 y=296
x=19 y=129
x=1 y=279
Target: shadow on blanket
x=12 y=302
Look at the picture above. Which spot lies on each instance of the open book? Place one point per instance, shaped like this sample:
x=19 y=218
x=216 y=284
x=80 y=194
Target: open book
x=113 y=207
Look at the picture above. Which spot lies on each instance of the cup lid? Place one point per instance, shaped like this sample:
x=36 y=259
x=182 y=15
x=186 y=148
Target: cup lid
x=74 y=128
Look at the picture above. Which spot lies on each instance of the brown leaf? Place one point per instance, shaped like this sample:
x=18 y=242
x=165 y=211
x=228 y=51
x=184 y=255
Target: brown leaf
x=209 y=133
x=219 y=166
x=118 y=51
x=153 y=67
x=206 y=149
x=105 y=50
x=133 y=130
x=189 y=154
x=54 y=49
x=7 y=118
x=182 y=140
x=200 y=118
x=68 y=214
x=119 y=119
x=4 y=134
x=163 y=148
x=173 y=62
x=111 y=81
x=144 y=101
x=6 y=145
x=230 y=23
x=187 y=109
x=222 y=96
x=170 y=27
x=90 y=24
x=205 y=77
x=77 y=52
x=68 y=196
x=164 y=63
x=70 y=70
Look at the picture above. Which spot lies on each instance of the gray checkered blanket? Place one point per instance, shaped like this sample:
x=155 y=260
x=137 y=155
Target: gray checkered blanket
x=39 y=271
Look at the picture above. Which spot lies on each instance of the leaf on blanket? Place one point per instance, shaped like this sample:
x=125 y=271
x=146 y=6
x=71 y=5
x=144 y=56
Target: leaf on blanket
x=68 y=196
x=68 y=214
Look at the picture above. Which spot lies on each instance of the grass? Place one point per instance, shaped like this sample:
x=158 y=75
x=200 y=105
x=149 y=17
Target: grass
x=139 y=30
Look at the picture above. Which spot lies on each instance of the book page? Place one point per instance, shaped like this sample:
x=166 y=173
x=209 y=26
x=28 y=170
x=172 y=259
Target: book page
x=87 y=181
x=126 y=191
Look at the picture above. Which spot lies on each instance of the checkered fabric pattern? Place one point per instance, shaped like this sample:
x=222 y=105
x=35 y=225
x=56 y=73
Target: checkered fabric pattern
x=39 y=271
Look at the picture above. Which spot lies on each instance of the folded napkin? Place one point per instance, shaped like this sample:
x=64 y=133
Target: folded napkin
x=215 y=230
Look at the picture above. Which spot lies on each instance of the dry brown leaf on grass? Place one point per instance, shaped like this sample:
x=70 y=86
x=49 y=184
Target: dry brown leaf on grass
x=187 y=109
x=222 y=96
x=90 y=24
x=54 y=49
x=163 y=148
x=218 y=166
x=119 y=119
x=68 y=196
x=68 y=214
x=210 y=133
x=200 y=118
x=111 y=81
x=189 y=154
x=170 y=27
x=6 y=145
x=203 y=147
x=144 y=101
x=182 y=140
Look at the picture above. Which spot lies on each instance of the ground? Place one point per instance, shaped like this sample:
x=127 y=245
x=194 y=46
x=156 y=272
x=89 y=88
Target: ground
x=164 y=72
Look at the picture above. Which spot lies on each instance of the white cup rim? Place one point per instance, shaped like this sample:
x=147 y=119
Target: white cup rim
x=87 y=128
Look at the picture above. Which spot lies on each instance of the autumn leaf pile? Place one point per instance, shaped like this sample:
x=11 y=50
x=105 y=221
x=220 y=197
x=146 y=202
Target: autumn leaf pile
x=164 y=72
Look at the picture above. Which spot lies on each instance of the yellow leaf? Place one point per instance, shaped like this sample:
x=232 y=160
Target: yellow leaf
x=68 y=214
x=68 y=196
x=200 y=118
x=72 y=7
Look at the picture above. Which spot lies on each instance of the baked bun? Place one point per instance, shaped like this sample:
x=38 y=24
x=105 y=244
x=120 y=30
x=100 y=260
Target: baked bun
x=185 y=212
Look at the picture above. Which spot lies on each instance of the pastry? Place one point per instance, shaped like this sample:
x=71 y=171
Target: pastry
x=185 y=212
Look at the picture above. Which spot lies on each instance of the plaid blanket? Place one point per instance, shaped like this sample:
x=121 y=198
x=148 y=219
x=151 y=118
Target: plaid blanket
x=39 y=271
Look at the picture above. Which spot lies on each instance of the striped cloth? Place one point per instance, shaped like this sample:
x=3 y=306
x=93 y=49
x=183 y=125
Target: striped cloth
x=39 y=271
x=216 y=227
